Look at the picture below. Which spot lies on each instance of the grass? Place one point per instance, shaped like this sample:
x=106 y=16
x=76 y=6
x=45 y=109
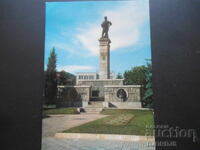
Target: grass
x=54 y=111
x=122 y=119
x=49 y=106
x=119 y=121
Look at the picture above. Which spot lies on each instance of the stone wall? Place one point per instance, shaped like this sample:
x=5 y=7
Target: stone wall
x=100 y=82
x=98 y=85
x=132 y=100
x=77 y=96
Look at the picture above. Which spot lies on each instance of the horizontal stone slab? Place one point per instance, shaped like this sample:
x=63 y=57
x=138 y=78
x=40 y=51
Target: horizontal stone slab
x=132 y=108
x=100 y=79
x=125 y=105
x=116 y=137
x=123 y=86
x=70 y=86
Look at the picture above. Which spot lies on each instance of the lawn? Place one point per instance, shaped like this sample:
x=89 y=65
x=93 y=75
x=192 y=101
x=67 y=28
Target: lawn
x=119 y=121
x=54 y=111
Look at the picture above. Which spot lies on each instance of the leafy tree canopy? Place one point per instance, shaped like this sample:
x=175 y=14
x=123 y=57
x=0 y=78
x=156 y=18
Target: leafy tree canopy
x=141 y=75
x=135 y=76
x=148 y=91
x=51 y=79
x=66 y=78
x=119 y=76
x=51 y=66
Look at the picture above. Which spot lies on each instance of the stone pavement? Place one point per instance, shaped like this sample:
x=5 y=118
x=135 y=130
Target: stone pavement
x=49 y=143
x=59 y=123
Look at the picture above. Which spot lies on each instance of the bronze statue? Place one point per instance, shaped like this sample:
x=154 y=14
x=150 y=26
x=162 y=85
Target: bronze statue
x=105 y=25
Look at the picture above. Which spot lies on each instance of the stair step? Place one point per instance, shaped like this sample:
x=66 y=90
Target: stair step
x=96 y=103
x=92 y=106
x=91 y=112
x=93 y=109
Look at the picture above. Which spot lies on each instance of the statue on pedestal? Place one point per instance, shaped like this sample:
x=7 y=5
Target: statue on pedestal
x=105 y=25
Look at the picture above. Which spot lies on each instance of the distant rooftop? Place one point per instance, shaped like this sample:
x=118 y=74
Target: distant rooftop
x=86 y=72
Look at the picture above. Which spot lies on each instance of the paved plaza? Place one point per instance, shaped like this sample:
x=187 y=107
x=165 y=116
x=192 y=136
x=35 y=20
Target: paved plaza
x=59 y=123
x=50 y=143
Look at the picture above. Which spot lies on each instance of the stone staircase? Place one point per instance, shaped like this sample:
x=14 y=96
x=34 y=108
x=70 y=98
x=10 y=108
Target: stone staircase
x=94 y=108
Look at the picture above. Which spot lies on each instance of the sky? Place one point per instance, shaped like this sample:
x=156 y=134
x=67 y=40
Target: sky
x=74 y=28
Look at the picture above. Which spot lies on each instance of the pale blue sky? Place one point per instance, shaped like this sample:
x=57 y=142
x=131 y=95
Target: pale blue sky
x=73 y=28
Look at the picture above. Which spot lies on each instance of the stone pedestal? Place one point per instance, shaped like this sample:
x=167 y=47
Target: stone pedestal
x=104 y=60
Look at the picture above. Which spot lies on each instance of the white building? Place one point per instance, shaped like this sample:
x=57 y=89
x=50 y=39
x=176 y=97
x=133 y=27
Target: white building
x=91 y=76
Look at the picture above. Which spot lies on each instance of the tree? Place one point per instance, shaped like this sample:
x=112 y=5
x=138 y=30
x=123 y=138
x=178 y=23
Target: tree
x=119 y=76
x=66 y=78
x=148 y=92
x=135 y=76
x=142 y=75
x=62 y=78
x=51 y=79
x=51 y=66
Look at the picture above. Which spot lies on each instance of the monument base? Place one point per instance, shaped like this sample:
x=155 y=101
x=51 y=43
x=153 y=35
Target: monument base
x=125 y=105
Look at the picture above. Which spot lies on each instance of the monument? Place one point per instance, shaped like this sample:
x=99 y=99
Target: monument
x=104 y=58
x=102 y=87
x=104 y=46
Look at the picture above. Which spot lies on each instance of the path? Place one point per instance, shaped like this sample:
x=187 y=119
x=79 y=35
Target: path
x=59 y=123
x=70 y=144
